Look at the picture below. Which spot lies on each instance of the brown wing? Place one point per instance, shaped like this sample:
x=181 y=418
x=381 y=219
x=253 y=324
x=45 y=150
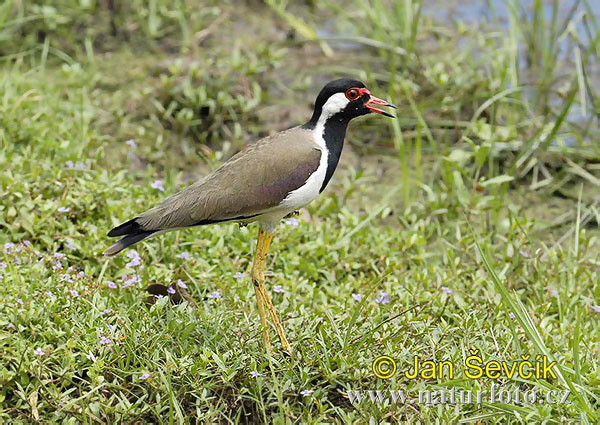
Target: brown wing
x=253 y=181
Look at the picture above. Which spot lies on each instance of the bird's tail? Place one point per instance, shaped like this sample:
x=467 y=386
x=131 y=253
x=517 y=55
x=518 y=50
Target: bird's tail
x=132 y=232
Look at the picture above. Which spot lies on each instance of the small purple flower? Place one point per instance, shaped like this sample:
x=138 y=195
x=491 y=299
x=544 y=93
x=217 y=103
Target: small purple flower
x=133 y=263
x=57 y=265
x=38 y=352
x=107 y=311
x=49 y=294
x=145 y=376
x=135 y=259
x=171 y=290
x=184 y=255
x=133 y=254
x=255 y=374
x=19 y=301
x=10 y=326
x=383 y=298
x=110 y=328
x=91 y=356
x=69 y=245
x=59 y=255
x=292 y=221
x=214 y=295
x=8 y=247
x=3 y=265
x=446 y=290
x=74 y=293
x=596 y=308
x=159 y=296
x=524 y=253
x=131 y=143
x=157 y=184
x=63 y=209
x=554 y=293
x=80 y=165
x=239 y=275
x=111 y=284
x=357 y=297
x=26 y=243
x=132 y=280
x=66 y=277
x=104 y=340
x=181 y=284
x=511 y=315
x=279 y=289
x=306 y=393
x=69 y=164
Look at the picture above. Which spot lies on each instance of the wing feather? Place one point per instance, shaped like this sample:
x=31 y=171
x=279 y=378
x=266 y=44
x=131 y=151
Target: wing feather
x=251 y=182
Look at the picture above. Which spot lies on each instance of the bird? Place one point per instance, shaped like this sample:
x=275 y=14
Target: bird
x=264 y=183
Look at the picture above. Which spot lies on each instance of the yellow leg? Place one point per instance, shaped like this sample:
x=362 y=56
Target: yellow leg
x=263 y=299
x=263 y=320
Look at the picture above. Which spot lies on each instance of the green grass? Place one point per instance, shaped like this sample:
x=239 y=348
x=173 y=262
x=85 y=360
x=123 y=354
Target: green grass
x=470 y=211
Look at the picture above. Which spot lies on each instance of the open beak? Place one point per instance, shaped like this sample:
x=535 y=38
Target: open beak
x=376 y=101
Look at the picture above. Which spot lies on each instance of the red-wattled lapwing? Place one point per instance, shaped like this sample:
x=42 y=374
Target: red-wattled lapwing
x=264 y=182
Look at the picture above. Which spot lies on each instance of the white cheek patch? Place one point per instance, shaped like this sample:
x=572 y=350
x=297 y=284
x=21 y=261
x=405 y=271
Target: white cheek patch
x=335 y=104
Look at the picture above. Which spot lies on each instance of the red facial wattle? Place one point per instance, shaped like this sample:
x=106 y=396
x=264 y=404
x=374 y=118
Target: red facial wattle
x=355 y=93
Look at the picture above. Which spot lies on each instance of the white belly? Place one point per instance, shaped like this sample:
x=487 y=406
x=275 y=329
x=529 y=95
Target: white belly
x=302 y=196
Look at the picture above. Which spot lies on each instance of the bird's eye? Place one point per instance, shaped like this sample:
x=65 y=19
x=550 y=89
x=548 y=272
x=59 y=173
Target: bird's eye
x=352 y=94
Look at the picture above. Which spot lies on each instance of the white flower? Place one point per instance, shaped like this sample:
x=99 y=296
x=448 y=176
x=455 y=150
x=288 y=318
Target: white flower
x=255 y=374
x=357 y=297
x=63 y=209
x=91 y=356
x=131 y=143
x=306 y=393
x=278 y=289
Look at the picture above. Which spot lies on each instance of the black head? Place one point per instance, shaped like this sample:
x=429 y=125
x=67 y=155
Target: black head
x=345 y=99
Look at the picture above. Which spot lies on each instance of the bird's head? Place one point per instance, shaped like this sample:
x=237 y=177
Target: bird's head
x=347 y=98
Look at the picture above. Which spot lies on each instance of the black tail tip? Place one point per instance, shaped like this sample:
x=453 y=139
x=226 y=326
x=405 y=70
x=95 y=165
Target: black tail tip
x=127 y=228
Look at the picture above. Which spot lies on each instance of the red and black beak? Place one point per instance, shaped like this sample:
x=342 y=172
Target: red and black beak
x=372 y=100
x=376 y=101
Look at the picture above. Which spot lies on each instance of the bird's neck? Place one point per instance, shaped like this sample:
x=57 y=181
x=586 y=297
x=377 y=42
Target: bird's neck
x=332 y=130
